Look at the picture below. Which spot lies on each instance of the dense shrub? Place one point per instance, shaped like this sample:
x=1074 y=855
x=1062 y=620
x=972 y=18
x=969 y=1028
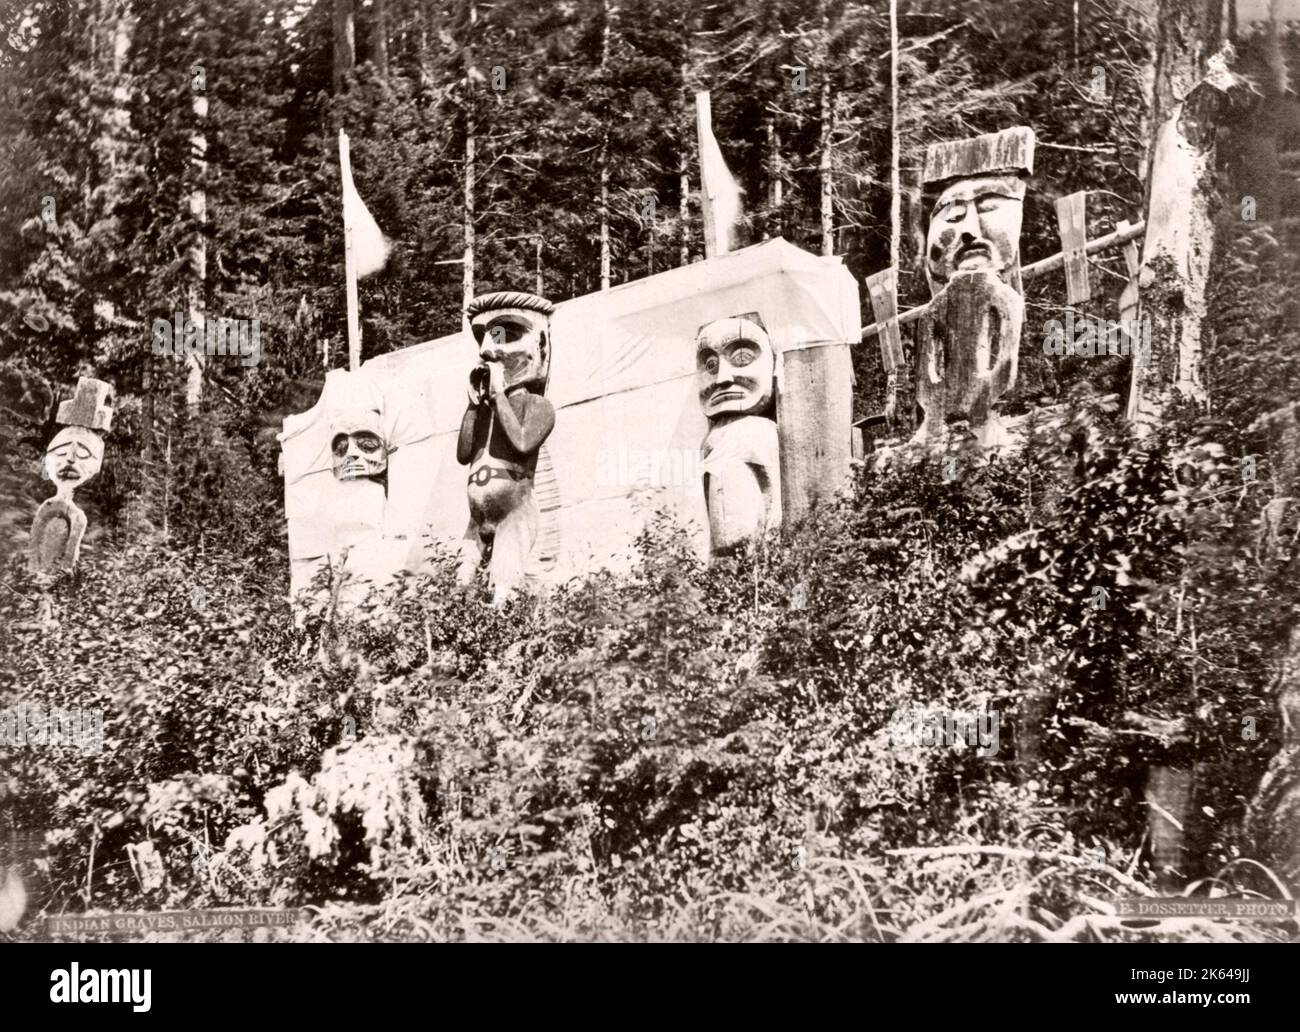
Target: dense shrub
x=690 y=750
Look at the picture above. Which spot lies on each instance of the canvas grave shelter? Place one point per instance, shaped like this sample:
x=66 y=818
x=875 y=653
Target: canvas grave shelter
x=628 y=424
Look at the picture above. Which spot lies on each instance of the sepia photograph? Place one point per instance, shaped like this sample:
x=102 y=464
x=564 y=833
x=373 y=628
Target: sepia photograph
x=649 y=471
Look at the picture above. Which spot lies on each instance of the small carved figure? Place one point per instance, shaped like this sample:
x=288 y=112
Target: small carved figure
x=507 y=420
x=736 y=372
x=74 y=456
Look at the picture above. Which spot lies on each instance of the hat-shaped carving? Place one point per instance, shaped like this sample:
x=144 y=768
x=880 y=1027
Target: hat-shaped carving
x=509 y=299
x=1010 y=152
x=91 y=406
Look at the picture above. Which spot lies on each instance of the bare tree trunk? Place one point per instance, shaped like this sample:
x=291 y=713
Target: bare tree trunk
x=1180 y=195
x=467 y=281
x=608 y=11
x=345 y=42
x=197 y=292
x=827 y=128
x=895 y=196
x=379 y=38
x=774 y=182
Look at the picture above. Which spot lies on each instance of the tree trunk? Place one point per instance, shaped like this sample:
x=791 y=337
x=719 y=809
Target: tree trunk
x=1180 y=197
x=827 y=186
x=467 y=281
x=608 y=11
x=345 y=42
x=197 y=292
x=774 y=182
x=379 y=38
x=895 y=198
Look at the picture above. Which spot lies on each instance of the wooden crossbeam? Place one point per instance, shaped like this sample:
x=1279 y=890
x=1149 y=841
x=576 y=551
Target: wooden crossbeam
x=1105 y=243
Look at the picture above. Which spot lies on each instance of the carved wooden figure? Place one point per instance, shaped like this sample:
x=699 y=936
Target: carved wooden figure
x=359 y=457
x=507 y=420
x=969 y=344
x=74 y=456
x=736 y=372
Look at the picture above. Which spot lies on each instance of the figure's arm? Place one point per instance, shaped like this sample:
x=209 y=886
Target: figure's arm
x=465 y=442
x=539 y=415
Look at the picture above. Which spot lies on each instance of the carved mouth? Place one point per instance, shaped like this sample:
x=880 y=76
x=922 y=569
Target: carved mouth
x=69 y=473
x=974 y=256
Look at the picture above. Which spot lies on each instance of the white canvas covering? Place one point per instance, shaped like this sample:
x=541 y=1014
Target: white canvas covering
x=628 y=424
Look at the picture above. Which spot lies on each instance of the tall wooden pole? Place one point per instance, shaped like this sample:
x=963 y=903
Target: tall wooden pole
x=703 y=126
x=350 y=259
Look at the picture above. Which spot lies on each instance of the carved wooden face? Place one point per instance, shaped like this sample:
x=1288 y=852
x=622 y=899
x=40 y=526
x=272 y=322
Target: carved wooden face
x=735 y=367
x=515 y=337
x=73 y=457
x=361 y=453
x=974 y=226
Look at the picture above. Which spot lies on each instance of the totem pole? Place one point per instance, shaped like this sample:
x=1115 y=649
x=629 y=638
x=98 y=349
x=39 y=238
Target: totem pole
x=969 y=342
x=507 y=420
x=74 y=456
x=736 y=371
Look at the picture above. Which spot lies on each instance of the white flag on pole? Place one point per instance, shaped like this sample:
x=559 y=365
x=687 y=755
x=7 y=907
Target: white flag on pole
x=369 y=248
x=720 y=189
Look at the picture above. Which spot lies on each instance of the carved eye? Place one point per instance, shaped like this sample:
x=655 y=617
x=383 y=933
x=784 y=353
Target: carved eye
x=742 y=354
x=83 y=453
x=340 y=445
x=369 y=442
x=991 y=202
x=506 y=333
x=709 y=363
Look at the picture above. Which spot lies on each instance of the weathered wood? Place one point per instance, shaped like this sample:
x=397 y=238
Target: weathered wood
x=90 y=406
x=703 y=127
x=1011 y=150
x=882 y=287
x=1169 y=802
x=1128 y=298
x=1189 y=91
x=1071 y=220
x=967 y=351
x=736 y=377
x=73 y=456
x=814 y=423
x=1030 y=272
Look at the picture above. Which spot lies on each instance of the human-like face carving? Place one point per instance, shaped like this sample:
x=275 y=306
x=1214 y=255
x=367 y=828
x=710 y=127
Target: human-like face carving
x=73 y=457
x=514 y=337
x=358 y=447
x=359 y=454
x=975 y=225
x=735 y=367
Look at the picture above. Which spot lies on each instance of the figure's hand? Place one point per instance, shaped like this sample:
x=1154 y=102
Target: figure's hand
x=477 y=379
x=496 y=379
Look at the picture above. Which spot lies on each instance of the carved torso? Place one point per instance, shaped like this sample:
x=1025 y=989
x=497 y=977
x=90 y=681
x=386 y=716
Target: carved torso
x=57 y=530
x=741 y=464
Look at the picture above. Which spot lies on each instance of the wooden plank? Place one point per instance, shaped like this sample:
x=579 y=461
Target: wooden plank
x=1030 y=272
x=703 y=126
x=1130 y=296
x=1009 y=150
x=882 y=287
x=814 y=418
x=1072 y=222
